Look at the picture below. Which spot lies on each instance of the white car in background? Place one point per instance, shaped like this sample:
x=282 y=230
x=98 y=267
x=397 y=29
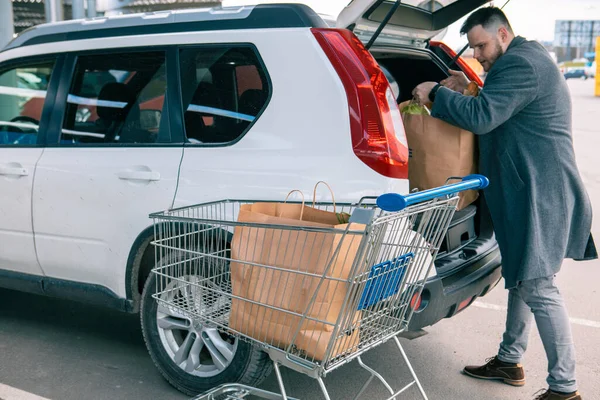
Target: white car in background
x=591 y=70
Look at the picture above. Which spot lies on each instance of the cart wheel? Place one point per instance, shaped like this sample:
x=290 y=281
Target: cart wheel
x=194 y=358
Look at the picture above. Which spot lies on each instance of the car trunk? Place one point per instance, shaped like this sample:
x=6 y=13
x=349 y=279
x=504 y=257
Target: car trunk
x=408 y=22
x=470 y=235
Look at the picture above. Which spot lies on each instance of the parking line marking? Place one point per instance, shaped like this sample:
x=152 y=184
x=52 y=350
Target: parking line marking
x=489 y=306
x=585 y=322
x=11 y=393
x=574 y=321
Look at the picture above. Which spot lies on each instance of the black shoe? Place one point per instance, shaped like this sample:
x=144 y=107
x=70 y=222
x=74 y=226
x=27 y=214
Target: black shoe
x=494 y=369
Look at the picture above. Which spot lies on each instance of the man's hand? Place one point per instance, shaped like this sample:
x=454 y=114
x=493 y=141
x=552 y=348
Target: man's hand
x=421 y=92
x=457 y=81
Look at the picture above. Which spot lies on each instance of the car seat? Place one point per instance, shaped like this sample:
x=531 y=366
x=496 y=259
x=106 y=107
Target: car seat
x=252 y=101
x=121 y=124
x=206 y=95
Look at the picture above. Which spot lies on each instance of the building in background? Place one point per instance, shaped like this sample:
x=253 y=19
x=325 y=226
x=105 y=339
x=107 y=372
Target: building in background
x=28 y=13
x=576 y=39
x=112 y=7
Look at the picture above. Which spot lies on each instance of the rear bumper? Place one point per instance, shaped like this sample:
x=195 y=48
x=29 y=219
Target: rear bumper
x=442 y=297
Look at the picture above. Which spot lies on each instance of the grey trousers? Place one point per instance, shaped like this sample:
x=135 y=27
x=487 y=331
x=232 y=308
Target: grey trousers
x=541 y=298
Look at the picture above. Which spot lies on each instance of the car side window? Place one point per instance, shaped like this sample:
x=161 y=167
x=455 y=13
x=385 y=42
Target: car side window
x=23 y=90
x=224 y=89
x=115 y=98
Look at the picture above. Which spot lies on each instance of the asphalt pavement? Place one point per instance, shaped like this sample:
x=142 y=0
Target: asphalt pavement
x=61 y=350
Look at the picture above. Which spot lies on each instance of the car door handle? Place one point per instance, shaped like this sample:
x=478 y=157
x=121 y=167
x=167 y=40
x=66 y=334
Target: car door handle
x=135 y=175
x=13 y=170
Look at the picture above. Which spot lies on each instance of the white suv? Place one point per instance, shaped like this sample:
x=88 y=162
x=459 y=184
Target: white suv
x=105 y=121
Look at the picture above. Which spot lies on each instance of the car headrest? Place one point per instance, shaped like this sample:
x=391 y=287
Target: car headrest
x=252 y=101
x=206 y=94
x=115 y=92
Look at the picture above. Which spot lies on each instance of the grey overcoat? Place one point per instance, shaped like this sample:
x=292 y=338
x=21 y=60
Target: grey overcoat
x=539 y=206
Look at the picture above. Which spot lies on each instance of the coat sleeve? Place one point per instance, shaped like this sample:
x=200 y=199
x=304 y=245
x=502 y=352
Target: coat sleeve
x=509 y=89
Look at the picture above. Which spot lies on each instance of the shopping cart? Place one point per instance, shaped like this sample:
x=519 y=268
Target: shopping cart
x=314 y=298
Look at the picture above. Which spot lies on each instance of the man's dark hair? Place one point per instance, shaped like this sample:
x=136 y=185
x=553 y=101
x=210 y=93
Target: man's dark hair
x=487 y=17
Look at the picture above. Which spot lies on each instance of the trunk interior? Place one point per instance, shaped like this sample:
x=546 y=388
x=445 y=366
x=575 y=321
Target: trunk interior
x=410 y=69
x=471 y=234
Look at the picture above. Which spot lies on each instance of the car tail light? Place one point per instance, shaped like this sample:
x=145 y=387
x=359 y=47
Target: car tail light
x=377 y=131
x=462 y=64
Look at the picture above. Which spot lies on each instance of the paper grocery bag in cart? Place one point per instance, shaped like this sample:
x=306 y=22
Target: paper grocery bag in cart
x=438 y=150
x=270 y=269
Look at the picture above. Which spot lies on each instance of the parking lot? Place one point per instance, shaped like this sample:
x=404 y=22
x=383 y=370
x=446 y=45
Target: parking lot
x=56 y=349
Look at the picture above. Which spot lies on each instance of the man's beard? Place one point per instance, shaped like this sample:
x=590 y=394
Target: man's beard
x=497 y=54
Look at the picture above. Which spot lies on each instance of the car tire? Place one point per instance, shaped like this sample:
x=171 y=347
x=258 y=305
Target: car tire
x=248 y=364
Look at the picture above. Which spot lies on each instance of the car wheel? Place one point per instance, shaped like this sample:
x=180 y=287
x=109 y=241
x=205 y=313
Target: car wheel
x=192 y=356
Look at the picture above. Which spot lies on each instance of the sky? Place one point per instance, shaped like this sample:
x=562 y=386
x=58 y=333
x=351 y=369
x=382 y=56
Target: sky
x=533 y=19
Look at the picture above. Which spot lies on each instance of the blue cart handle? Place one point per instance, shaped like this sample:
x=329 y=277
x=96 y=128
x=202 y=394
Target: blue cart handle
x=396 y=202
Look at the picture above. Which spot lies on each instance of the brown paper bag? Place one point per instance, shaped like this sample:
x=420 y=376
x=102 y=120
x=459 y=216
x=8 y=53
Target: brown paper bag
x=293 y=250
x=438 y=151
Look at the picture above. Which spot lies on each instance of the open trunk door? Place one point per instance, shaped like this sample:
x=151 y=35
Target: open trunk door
x=408 y=22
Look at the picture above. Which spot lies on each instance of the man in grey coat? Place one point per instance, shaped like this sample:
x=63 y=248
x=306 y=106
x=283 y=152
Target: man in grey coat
x=538 y=203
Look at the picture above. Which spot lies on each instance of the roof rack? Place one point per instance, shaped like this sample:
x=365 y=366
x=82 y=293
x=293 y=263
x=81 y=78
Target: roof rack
x=182 y=20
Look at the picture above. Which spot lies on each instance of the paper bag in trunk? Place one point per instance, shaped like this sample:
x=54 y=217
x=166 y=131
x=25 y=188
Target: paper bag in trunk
x=438 y=151
x=294 y=251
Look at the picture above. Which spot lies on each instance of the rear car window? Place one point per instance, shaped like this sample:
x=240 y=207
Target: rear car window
x=429 y=5
x=116 y=98
x=224 y=90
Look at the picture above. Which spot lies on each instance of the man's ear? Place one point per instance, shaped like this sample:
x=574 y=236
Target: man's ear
x=503 y=32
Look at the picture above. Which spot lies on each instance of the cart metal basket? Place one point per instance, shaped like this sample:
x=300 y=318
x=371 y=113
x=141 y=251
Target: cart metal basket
x=313 y=297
